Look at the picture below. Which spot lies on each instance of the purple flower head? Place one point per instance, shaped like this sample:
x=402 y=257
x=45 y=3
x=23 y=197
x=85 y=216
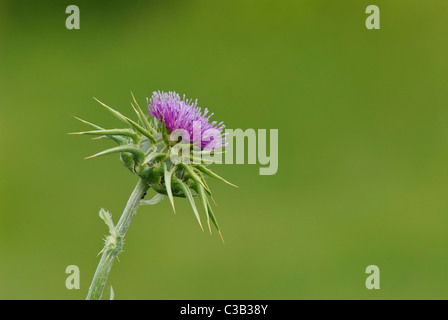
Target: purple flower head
x=177 y=113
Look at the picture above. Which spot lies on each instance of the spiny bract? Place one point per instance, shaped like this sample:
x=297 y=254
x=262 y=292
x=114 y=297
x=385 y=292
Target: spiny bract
x=146 y=150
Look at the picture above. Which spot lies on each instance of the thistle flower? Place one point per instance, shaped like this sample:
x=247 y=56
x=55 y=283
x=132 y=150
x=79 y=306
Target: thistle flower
x=145 y=149
x=177 y=113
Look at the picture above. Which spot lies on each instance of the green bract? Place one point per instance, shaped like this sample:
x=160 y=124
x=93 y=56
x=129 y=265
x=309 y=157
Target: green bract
x=145 y=149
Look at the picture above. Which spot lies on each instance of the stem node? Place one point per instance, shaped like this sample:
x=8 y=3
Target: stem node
x=114 y=242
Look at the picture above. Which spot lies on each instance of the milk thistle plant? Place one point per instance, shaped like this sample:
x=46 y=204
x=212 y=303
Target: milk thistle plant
x=169 y=150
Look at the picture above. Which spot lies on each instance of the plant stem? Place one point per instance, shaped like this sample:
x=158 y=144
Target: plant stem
x=108 y=257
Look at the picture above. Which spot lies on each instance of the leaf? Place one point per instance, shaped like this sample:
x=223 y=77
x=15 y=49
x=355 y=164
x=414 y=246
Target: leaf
x=107 y=218
x=212 y=174
x=189 y=196
x=154 y=200
x=167 y=175
x=138 y=154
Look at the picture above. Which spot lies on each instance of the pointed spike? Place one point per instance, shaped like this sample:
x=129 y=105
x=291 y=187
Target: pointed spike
x=117 y=139
x=213 y=199
x=128 y=121
x=213 y=175
x=193 y=175
x=204 y=203
x=89 y=123
x=220 y=234
x=213 y=218
x=207 y=188
x=101 y=137
x=117 y=114
x=142 y=130
x=140 y=113
x=167 y=175
x=136 y=111
x=138 y=154
x=111 y=132
x=133 y=97
x=189 y=196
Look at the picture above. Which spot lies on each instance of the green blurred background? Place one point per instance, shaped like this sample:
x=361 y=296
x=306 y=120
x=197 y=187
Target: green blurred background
x=363 y=147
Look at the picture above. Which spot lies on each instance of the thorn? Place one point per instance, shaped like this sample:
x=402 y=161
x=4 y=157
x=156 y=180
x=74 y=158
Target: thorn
x=77 y=118
x=211 y=197
x=221 y=236
x=200 y=224
x=133 y=107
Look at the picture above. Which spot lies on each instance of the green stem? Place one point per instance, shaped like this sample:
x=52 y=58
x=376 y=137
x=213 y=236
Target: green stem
x=108 y=257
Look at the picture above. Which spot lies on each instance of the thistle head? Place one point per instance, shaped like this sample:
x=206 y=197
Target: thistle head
x=182 y=114
x=147 y=150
